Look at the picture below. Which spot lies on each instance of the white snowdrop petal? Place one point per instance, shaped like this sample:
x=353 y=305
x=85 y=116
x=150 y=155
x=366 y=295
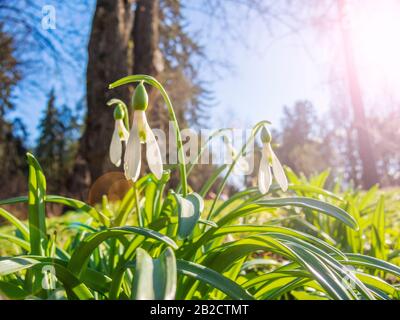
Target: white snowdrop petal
x=153 y=154
x=115 y=148
x=264 y=174
x=278 y=171
x=124 y=134
x=141 y=122
x=133 y=154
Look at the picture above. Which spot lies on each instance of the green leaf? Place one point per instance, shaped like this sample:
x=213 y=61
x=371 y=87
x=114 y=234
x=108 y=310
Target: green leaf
x=214 y=279
x=239 y=196
x=15 y=222
x=19 y=242
x=303 y=188
x=279 y=287
x=150 y=194
x=80 y=206
x=72 y=203
x=36 y=206
x=82 y=253
x=312 y=204
x=371 y=262
x=377 y=283
x=21 y=199
x=155 y=278
x=208 y=223
x=12 y=291
x=74 y=287
x=378 y=230
x=12 y=265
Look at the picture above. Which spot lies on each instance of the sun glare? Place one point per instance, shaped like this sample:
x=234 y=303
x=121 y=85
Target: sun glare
x=375 y=29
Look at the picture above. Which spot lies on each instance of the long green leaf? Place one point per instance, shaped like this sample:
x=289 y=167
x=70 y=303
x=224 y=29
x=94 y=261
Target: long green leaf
x=313 y=204
x=36 y=206
x=81 y=255
x=19 y=242
x=21 y=199
x=15 y=264
x=15 y=222
x=214 y=279
x=12 y=291
x=371 y=262
x=378 y=231
x=80 y=206
x=72 y=203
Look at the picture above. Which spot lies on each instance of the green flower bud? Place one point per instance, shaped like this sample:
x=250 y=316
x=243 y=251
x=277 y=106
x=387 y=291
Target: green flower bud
x=119 y=112
x=140 y=99
x=266 y=135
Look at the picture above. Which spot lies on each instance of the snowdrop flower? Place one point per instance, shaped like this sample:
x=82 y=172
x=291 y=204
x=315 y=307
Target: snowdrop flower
x=241 y=166
x=141 y=133
x=269 y=159
x=120 y=134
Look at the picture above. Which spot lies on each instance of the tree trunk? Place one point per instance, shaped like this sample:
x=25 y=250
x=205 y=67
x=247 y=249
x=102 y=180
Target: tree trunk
x=146 y=37
x=369 y=171
x=108 y=60
x=146 y=54
x=148 y=60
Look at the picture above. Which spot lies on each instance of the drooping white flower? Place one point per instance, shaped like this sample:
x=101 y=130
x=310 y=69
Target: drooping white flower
x=120 y=134
x=141 y=133
x=241 y=165
x=268 y=160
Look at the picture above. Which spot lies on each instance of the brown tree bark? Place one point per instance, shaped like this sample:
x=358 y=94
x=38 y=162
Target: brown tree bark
x=108 y=60
x=147 y=56
x=369 y=171
x=148 y=60
x=146 y=37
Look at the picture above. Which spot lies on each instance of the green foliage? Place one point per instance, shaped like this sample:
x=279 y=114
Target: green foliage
x=98 y=261
x=164 y=243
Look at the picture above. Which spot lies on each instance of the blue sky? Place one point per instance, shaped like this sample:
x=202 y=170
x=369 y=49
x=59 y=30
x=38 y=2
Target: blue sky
x=268 y=72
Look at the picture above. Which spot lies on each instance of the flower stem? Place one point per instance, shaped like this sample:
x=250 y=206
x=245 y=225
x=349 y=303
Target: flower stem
x=200 y=153
x=256 y=128
x=124 y=107
x=137 y=207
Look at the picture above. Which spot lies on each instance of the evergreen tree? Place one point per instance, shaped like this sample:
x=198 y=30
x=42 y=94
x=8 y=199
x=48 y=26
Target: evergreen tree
x=69 y=133
x=305 y=142
x=55 y=145
x=48 y=142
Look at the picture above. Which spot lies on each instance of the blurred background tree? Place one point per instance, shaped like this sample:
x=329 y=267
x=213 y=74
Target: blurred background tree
x=152 y=37
x=304 y=143
x=12 y=132
x=56 y=146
